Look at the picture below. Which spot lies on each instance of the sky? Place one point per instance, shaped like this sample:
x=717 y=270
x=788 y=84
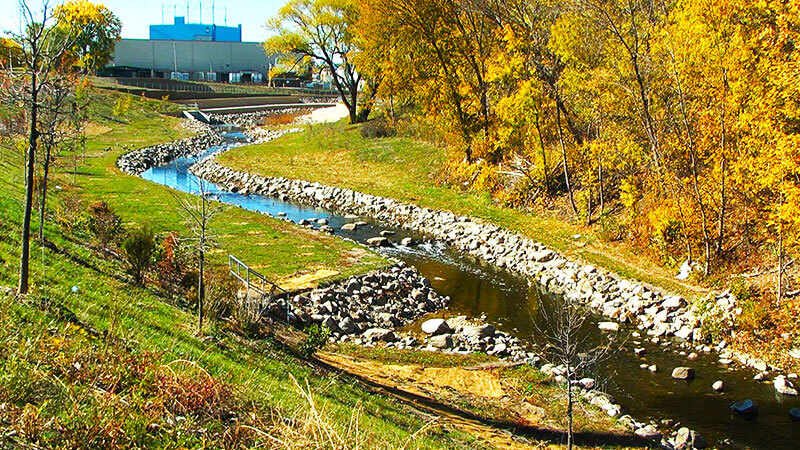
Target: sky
x=137 y=15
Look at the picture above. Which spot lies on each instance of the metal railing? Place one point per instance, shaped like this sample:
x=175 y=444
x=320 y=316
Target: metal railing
x=252 y=279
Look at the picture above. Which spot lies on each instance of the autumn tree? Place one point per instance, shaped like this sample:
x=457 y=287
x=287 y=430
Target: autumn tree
x=319 y=32
x=94 y=29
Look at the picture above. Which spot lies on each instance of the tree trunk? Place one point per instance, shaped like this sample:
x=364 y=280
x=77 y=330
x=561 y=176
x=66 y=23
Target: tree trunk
x=564 y=160
x=33 y=138
x=723 y=169
x=569 y=409
x=44 y=193
x=780 y=262
x=201 y=292
x=545 y=169
x=600 y=182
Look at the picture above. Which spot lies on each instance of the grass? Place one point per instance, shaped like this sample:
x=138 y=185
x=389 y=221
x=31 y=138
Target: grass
x=406 y=169
x=274 y=247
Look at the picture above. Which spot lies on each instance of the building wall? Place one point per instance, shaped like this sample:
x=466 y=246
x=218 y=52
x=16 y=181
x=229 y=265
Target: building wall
x=180 y=31
x=192 y=56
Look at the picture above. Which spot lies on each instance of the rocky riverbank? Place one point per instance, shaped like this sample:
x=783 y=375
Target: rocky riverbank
x=136 y=162
x=254 y=119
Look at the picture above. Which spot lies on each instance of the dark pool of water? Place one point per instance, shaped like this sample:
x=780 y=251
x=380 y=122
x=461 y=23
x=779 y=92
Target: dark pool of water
x=511 y=303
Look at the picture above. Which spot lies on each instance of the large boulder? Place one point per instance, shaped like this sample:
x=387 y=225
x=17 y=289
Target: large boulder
x=683 y=373
x=435 y=326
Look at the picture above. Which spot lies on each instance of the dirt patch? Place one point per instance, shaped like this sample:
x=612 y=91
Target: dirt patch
x=96 y=129
x=306 y=280
x=473 y=382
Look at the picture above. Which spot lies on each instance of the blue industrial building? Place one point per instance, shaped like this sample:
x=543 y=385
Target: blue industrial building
x=182 y=31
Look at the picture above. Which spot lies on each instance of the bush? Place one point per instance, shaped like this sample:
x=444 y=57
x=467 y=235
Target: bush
x=377 y=129
x=71 y=216
x=316 y=338
x=105 y=225
x=221 y=292
x=139 y=249
x=176 y=271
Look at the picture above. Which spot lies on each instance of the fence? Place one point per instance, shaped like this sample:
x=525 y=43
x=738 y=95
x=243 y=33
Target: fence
x=257 y=282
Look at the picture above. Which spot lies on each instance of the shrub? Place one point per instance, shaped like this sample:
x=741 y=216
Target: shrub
x=176 y=272
x=742 y=290
x=376 y=129
x=316 y=338
x=71 y=216
x=105 y=225
x=611 y=229
x=221 y=292
x=139 y=249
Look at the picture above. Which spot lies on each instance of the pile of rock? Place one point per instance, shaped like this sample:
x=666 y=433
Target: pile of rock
x=618 y=299
x=366 y=308
x=459 y=335
x=253 y=119
x=138 y=161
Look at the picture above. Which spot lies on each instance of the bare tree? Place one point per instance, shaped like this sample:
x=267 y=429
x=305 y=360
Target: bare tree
x=56 y=111
x=198 y=211
x=569 y=344
x=42 y=49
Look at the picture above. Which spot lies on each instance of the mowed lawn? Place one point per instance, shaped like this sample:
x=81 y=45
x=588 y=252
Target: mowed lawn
x=405 y=169
x=276 y=248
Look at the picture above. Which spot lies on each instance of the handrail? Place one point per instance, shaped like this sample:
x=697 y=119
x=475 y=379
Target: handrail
x=251 y=277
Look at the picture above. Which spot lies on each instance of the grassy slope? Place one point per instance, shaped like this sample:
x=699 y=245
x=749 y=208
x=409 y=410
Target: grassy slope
x=272 y=246
x=404 y=169
x=142 y=321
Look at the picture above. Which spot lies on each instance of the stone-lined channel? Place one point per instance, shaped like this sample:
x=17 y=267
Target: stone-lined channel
x=510 y=302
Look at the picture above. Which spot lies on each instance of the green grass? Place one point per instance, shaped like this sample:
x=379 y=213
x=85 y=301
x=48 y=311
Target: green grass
x=111 y=326
x=274 y=247
x=406 y=169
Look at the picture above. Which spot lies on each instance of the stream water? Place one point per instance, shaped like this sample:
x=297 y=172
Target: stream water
x=513 y=305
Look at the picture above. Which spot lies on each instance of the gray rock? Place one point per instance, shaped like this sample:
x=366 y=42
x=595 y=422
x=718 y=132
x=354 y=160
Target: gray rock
x=378 y=242
x=499 y=349
x=783 y=386
x=331 y=324
x=348 y=326
x=408 y=242
x=746 y=407
x=479 y=332
x=587 y=383
x=648 y=432
x=718 y=386
x=349 y=227
x=442 y=341
x=380 y=334
x=687 y=439
x=683 y=373
x=608 y=326
x=436 y=327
